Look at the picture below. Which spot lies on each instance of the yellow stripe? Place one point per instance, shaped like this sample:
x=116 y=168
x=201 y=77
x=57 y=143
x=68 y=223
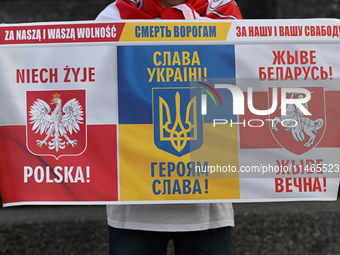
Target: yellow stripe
x=191 y=31
x=137 y=151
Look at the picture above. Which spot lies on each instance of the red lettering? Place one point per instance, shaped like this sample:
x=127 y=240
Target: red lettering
x=279 y=185
x=35 y=75
x=278 y=58
x=288 y=185
x=307 y=184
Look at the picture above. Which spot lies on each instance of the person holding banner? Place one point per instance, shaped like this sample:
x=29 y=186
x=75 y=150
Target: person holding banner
x=194 y=228
x=171 y=9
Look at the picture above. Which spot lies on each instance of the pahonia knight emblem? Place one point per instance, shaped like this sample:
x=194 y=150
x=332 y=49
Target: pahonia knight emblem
x=297 y=132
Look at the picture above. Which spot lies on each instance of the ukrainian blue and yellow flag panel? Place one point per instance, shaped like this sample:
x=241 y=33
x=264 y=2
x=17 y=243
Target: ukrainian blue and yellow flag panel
x=167 y=104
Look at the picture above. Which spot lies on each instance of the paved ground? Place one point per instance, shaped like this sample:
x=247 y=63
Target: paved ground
x=287 y=228
x=299 y=228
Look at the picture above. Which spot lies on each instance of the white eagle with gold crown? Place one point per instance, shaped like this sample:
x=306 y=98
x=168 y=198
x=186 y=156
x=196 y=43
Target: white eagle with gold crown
x=56 y=125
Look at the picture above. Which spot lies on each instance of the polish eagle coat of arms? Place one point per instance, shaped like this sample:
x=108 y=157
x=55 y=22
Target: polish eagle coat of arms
x=63 y=121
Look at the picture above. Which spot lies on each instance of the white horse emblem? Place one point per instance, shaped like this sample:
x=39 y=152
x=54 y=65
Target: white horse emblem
x=299 y=125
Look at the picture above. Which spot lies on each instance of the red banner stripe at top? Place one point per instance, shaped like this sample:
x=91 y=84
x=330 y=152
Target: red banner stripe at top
x=61 y=33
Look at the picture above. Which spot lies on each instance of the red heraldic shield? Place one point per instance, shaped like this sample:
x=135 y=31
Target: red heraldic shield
x=296 y=132
x=56 y=122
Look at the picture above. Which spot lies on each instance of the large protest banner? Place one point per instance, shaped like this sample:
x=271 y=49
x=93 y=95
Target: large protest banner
x=169 y=111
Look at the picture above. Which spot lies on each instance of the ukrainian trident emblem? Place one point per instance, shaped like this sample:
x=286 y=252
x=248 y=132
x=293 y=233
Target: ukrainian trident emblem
x=178 y=125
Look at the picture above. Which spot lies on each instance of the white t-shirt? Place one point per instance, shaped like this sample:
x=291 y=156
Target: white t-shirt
x=167 y=217
x=171 y=217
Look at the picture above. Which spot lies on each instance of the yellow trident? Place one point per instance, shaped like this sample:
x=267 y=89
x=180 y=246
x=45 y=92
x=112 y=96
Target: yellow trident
x=178 y=138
